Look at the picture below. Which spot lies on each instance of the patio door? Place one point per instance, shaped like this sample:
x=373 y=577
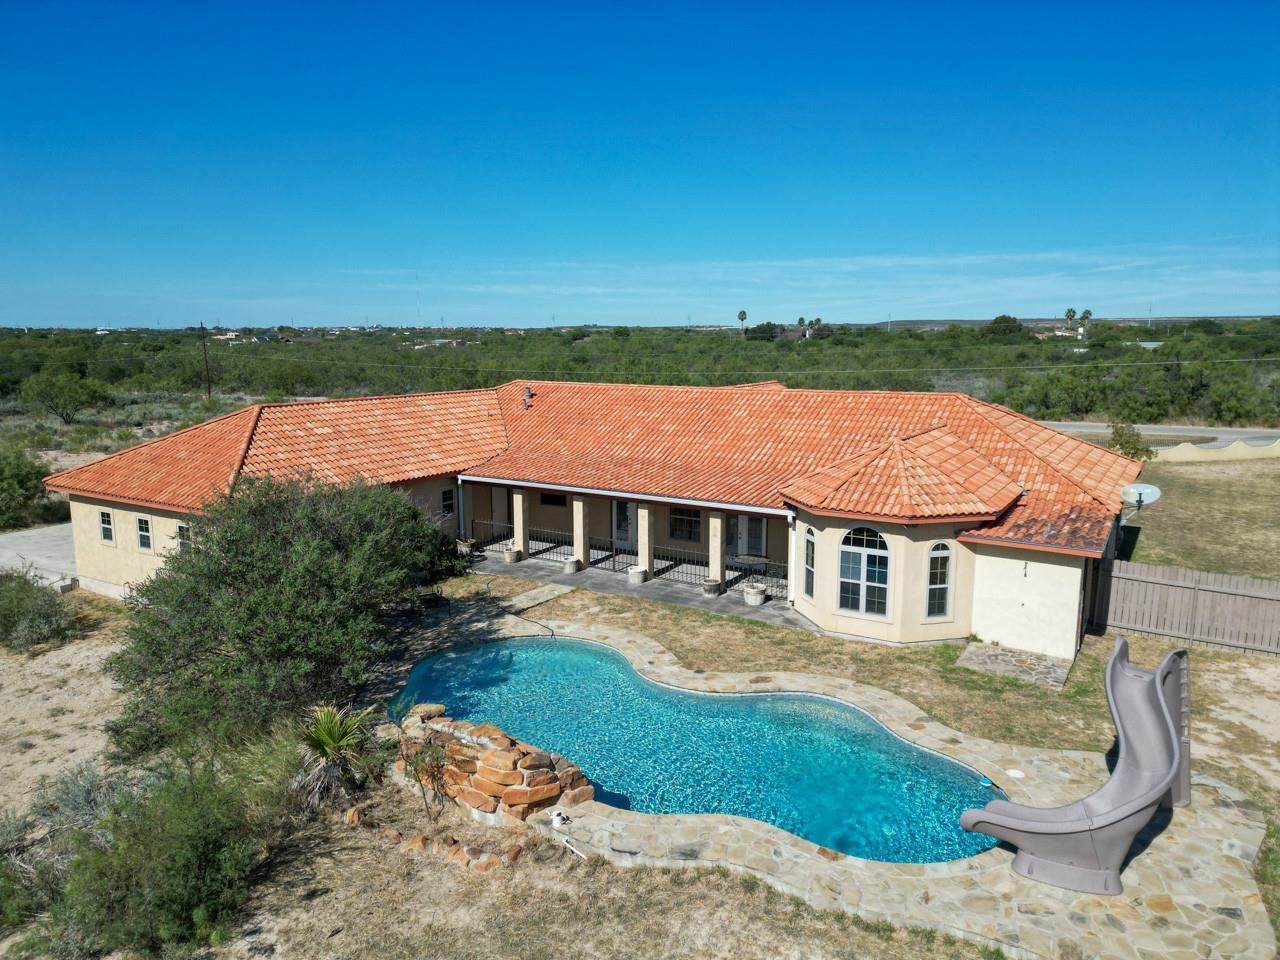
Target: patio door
x=744 y=536
x=624 y=525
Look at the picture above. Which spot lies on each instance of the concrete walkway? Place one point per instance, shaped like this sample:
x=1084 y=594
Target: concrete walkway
x=1222 y=436
x=47 y=550
x=729 y=604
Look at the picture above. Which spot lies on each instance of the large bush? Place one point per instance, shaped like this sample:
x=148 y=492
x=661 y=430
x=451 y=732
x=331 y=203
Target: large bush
x=281 y=602
x=179 y=862
x=21 y=491
x=31 y=614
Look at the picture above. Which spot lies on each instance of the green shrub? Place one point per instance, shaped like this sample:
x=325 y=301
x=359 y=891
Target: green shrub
x=334 y=750
x=21 y=489
x=31 y=614
x=179 y=863
x=284 y=600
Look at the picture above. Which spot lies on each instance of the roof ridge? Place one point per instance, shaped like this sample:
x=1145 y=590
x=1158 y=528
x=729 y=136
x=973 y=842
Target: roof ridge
x=146 y=443
x=908 y=496
x=1031 y=450
x=314 y=401
x=244 y=449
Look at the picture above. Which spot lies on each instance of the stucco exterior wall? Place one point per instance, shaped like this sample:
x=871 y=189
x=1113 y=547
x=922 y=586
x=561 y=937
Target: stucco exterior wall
x=100 y=565
x=906 y=620
x=427 y=497
x=1028 y=600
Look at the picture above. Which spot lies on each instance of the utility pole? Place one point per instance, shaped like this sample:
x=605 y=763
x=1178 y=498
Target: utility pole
x=204 y=346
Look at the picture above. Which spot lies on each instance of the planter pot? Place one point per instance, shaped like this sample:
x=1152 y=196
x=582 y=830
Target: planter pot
x=637 y=575
x=754 y=595
x=511 y=556
x=466 y=547
x=571 y=566
x=712 y=588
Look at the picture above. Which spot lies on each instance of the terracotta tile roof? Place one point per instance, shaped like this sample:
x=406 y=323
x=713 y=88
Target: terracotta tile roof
x=384 y=439
x=179 y=471
x=929 y=477
x=908 y=456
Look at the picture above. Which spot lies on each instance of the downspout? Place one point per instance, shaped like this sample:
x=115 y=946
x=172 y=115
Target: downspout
x=462 y=514
x=792 y=529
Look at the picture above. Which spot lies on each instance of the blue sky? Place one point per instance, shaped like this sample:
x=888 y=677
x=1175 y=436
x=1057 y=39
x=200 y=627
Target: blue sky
x=641 y=163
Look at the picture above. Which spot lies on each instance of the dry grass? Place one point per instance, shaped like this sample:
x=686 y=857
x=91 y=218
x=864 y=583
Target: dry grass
x=347 y=895
x=1221 y=517
x=478 y=585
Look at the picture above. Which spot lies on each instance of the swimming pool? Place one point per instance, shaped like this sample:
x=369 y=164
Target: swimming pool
x=815 y=767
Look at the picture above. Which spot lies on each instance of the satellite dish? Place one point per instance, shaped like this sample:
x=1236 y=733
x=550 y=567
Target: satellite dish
x=1140 y=494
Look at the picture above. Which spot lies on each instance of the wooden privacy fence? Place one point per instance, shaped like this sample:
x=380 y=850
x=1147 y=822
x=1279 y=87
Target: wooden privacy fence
x=1191 y=605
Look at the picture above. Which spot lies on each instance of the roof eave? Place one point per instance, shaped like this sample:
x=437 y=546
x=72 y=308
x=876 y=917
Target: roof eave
x=1031 y=545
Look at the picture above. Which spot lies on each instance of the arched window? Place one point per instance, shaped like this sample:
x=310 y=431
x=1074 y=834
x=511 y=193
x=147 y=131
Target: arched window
x=808 y=561
x=864 y=572
x=939 y=604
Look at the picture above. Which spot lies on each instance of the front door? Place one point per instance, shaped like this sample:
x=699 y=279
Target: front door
x=744 y=535
x=624 y=525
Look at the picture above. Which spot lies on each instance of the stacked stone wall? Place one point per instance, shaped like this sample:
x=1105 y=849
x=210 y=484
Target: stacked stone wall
x=485 y=770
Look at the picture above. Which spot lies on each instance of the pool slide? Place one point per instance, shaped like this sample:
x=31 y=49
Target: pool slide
x=1083 y=845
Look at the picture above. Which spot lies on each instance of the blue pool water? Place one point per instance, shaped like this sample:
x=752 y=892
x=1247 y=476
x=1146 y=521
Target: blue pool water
x=814 y=767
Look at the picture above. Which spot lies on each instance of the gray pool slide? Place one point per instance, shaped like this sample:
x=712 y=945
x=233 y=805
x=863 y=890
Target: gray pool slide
x=1083 y=845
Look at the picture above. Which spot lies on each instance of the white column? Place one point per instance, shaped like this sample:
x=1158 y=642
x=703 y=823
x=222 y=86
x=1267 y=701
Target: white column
x=644 y=537
x=520 y=521
x=581 y=532
x=715 y=545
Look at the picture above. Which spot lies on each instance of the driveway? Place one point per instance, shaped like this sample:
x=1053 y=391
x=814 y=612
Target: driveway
x=1253 y=436
x=48 y=550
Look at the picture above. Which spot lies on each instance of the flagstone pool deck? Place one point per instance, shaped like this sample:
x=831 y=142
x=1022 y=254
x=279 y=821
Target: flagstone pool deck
x=1189 y=891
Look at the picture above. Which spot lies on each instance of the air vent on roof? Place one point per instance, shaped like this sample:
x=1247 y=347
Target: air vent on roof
x=528 y=396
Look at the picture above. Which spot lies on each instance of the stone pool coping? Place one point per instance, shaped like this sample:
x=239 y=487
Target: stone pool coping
x=1189 y=891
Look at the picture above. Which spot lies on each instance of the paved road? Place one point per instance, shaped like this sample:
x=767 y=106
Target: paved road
x=48 y=549
x=1254 y=436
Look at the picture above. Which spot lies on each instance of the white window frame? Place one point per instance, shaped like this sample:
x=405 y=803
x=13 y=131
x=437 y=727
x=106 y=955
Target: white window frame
x=448 y=502
x=857 y=562
x=943 y=552
x=184 y=538
x=143 y=526
x=810 y=552
x=106 y=527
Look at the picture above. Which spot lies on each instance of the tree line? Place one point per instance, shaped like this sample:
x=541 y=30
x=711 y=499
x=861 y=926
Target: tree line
x=1201 y=371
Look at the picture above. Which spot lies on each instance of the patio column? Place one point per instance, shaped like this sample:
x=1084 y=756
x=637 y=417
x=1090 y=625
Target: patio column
x=644 y=538
x=715 y=545
x=581 y=534
x=520 y=521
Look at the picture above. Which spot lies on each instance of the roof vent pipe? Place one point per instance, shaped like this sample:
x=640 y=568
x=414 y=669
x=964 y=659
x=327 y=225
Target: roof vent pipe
x=528 y=395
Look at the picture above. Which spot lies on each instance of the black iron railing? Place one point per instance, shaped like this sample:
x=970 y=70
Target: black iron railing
x=681 y=565
x=488 y=534
x=770 y=574
x=550 y=544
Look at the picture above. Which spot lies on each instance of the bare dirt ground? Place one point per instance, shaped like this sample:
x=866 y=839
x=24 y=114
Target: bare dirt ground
x=53 y=705
x=58 y=460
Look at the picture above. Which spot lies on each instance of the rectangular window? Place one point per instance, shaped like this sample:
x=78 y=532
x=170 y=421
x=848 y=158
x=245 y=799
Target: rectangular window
x=184 y=538
x=685 y=524
x=446 y=502
x=808 y=564
x=144 y=533
x=104 y=526
x=553 y=499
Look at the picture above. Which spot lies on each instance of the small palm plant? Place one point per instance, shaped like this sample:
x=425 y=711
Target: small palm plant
x=335 y=752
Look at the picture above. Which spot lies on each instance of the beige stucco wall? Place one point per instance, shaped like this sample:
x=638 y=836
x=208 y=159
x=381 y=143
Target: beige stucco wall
x=102 y=566
x=906 y=620
x=1028 y=600
x=426 y=495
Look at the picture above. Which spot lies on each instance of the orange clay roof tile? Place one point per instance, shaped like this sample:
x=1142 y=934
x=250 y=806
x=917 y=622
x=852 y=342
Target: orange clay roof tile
x=908 y=456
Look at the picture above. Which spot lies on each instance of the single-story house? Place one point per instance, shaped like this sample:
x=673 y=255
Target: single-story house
x=893 y=516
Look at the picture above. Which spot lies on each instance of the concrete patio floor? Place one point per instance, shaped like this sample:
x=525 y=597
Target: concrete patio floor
x=730 y=603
